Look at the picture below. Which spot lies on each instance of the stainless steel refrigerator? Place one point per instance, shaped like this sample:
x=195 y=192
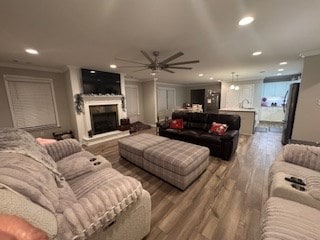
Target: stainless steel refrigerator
x=289 y=107
x=212 y=102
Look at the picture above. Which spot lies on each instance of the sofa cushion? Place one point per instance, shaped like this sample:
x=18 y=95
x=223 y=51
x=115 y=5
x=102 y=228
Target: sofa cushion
x=198 y=121
x=63 y=148
x=194 y=133
x=303 y=155
x=288 y=220
x=102 y=197
x=212 y=138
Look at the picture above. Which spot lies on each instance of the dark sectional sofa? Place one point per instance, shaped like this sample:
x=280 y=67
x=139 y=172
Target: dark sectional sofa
x=196 y=127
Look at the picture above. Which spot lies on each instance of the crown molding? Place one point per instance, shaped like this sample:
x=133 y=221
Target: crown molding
x=172 y=84
x=132 y=80
x=31 y=67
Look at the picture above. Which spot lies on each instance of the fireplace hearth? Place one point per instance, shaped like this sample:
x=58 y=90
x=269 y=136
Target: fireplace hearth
x=104 y=118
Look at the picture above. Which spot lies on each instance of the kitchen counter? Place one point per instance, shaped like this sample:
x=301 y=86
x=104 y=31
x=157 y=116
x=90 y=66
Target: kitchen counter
x=247 y=116
x=238 y=109
x=272 y=114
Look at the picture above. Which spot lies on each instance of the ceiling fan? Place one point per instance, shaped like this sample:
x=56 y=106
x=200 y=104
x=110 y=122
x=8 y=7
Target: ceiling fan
x=156 y=65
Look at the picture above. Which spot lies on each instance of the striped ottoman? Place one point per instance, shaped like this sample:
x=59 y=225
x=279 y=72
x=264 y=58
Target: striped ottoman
x=176 y=162
x=131 y=148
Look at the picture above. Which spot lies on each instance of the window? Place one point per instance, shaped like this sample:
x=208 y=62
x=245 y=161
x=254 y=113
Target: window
x=132 y=95
x=32 y=102
x=165 y=101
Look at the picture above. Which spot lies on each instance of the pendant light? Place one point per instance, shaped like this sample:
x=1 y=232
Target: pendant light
x=237 y=87
x=232 y=85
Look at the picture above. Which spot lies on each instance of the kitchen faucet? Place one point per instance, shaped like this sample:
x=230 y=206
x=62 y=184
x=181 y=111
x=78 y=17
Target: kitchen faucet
x=241 y=105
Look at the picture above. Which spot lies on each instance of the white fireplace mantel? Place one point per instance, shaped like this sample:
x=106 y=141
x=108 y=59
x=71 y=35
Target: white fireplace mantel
x=101 y=97
x=82 y=122
x=96 y=102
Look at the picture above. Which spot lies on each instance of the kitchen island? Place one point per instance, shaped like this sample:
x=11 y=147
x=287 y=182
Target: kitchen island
x=247 y=116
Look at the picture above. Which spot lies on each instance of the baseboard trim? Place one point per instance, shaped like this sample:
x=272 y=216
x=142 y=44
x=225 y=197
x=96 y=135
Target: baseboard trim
x=294 y=141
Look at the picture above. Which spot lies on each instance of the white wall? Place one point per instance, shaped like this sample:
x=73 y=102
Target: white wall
x=307 y=118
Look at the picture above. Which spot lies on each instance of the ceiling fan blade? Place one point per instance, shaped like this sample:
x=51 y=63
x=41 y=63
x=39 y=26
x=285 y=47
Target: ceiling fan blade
x=167 y=70
x=169 y=59
x=147 y=56
x=179 y=63
x=129 y=66
x=188 y=68
x=139 y=70
x=124 y=60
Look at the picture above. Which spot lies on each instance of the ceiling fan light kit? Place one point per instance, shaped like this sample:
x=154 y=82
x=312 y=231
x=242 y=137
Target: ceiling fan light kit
x=156 y=65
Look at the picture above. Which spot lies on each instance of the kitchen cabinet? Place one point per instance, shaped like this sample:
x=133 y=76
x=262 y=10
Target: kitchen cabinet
x=275 y=89
x=272 y=114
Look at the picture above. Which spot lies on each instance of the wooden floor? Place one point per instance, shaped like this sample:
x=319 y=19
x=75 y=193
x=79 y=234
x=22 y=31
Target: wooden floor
x=224 y=203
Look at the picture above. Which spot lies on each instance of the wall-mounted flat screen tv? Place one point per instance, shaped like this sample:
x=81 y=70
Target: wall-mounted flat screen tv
x=97 y=82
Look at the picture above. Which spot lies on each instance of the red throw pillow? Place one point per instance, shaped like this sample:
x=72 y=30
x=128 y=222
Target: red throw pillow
x=218 y=128
x=176 y=124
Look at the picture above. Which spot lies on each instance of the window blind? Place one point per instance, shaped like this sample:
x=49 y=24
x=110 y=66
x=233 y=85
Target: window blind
x=32 y=102
x=132 y=95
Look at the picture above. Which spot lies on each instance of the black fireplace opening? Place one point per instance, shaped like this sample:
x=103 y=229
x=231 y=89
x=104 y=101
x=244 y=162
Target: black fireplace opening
x=104 y=118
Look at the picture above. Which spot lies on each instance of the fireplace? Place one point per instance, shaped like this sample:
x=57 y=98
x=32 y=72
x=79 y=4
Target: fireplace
x=104 y=118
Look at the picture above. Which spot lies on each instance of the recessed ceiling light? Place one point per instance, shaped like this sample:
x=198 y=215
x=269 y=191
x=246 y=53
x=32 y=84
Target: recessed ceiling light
x=113 y=66
x=279 y=74
x=283 y=63
x=257 y=53
x=200 y=74
x=219 y=80
x=246 y=21
x=32 y=51
x=280 y=69
x=211 y=78
x=92 y=71
x=153 y=73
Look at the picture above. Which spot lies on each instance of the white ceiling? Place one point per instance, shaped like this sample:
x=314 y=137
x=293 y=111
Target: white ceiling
x=93 y=33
